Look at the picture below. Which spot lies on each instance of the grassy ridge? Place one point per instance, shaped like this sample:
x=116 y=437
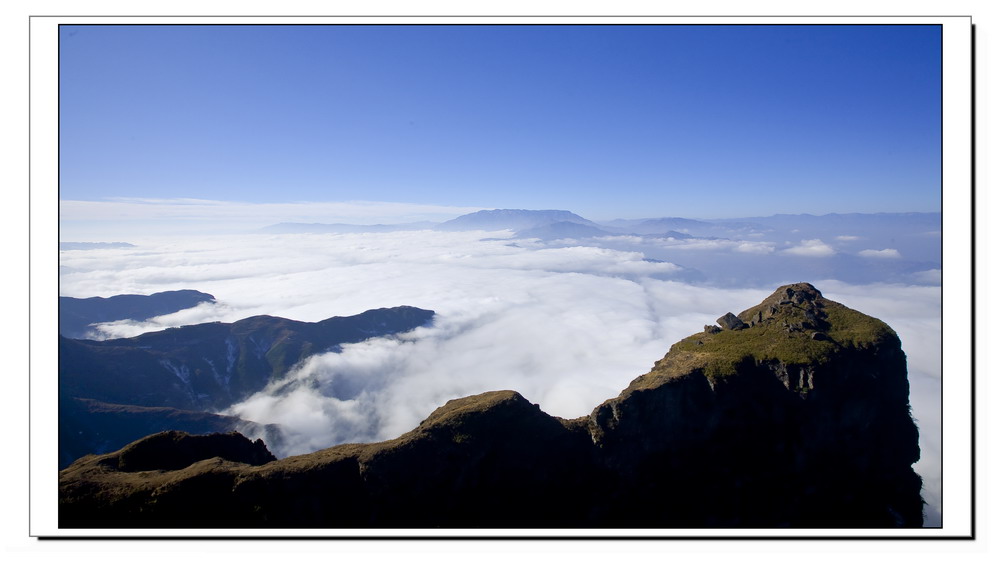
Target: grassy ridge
x=807 y=332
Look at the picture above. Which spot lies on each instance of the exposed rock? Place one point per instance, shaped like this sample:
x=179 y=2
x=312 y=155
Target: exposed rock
x=712 y=329
x=759 y=427
x=731 y=322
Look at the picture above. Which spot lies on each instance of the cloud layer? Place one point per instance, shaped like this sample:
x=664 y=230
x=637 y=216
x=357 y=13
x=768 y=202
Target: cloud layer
x=83 y=220
x=811 y=248
x=887 y=253
x=568 y=327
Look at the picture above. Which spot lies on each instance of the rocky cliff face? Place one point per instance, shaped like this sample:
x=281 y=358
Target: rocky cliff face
x=792 y=414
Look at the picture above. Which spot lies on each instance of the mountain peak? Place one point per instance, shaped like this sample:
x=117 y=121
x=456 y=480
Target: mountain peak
x=515 y=220
x=795 y=325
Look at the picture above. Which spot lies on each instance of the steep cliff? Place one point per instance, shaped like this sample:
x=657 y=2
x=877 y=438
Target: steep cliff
x=795 y=412
x=792 y=414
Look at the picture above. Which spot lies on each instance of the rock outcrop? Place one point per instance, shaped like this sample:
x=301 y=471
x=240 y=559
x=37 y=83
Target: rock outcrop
x=173 y=450
x=764 y=426
x=731 y=322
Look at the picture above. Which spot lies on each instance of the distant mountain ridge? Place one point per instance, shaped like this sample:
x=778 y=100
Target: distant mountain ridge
x=886 y=222
x=77 y=316
x=561 y=230
x=561 y=224
x=738 y=252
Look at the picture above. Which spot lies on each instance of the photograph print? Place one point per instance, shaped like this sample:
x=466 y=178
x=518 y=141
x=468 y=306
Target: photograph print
x=605 y=279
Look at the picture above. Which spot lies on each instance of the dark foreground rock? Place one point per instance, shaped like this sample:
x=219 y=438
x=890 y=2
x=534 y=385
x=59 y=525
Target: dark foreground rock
x=764 y=426
x=90 y=426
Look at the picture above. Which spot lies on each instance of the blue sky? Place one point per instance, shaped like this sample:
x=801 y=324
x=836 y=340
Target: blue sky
x=607 y=121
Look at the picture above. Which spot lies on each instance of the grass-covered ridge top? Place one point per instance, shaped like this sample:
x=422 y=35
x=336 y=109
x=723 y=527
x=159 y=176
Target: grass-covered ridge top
x=795 y=325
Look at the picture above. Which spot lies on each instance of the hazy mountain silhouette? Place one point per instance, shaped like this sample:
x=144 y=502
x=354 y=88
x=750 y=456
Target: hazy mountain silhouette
x=561 y=230
x=492 y=220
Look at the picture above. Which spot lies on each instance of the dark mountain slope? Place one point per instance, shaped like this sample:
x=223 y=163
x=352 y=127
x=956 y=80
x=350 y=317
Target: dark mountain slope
x=213 y=365
x=76 y=315
x=794 y=414
x=115 y=391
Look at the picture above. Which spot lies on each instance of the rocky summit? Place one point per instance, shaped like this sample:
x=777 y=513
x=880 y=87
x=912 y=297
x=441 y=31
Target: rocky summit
x=793 y=413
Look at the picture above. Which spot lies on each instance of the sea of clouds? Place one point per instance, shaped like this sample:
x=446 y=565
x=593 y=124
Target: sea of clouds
x=566 y=326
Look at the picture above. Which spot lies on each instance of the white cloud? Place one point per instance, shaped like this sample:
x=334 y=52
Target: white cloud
x=887 y=253
x=688 y=244
x=754 y=247
x=929 y=277
x=848 y=238
x=811 y=248
x=201 y=313
x=568 y=344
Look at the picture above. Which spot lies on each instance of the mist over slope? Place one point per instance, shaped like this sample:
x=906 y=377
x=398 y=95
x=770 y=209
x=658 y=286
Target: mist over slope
x=177 y=378
x=81 y=318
